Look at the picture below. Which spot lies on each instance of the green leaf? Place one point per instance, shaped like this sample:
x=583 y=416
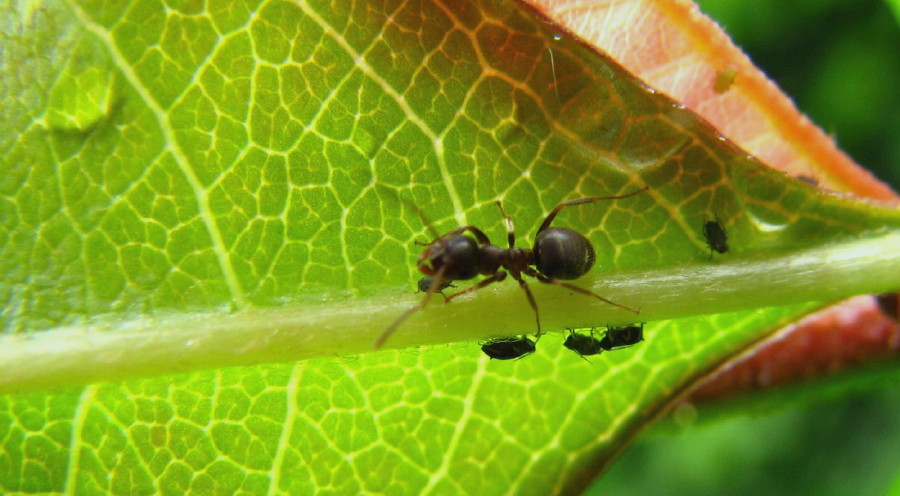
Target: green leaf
x=188 y=188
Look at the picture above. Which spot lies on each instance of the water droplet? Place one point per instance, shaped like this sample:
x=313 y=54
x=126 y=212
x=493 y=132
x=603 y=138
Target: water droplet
x=80 y=99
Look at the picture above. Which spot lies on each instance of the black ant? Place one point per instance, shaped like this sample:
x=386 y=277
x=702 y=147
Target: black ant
x=622 y=337
x=426 y=282
x=508 y=348
x=559 y=254
x=715 y=235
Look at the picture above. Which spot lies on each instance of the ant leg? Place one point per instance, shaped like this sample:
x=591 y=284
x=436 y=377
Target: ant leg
x=510 y=232
x=537 y=315
x=480 y=236
x=548 y=280
x=581 y=201
x=436 y=283
x=441 y=290
x=497 y=277
x=425 y=220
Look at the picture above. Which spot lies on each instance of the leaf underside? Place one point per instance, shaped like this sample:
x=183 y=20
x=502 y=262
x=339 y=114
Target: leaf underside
x=166 y=159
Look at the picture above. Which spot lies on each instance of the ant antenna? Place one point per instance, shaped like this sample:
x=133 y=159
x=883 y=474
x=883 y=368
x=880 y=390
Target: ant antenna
x=435 y=284
x=425 y=220
x=582 y=201
x=553 y=70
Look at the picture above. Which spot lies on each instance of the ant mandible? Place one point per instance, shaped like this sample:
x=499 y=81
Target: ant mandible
x=559 y=254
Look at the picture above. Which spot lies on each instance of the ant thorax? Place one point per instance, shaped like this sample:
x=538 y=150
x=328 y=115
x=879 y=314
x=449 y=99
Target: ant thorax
x=493 y=258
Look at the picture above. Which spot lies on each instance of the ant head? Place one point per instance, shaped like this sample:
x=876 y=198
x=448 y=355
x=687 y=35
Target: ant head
x=562 y=253
x=458 y=256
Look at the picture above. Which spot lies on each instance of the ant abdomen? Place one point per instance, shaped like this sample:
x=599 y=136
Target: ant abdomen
x=458 y=255
x=561 y=253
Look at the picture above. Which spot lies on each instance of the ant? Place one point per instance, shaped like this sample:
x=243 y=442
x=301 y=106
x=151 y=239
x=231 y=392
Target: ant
x=559 y=254
x=716 y=237
x=508 y=348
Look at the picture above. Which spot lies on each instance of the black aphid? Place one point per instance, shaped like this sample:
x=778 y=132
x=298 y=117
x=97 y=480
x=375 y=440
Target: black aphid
x=622 y=337
x=583 y=344
x=508 y=348
x=715 y=235
x=425 y=284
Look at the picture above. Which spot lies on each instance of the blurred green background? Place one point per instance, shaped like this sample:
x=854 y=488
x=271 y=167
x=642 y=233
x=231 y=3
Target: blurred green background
x=840 y=62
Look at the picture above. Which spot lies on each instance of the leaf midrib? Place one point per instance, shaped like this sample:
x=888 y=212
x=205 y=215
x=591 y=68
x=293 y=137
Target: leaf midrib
x=122 y=349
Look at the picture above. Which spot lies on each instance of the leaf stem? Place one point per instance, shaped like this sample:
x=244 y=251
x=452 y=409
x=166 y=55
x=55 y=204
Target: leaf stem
x=160 y=345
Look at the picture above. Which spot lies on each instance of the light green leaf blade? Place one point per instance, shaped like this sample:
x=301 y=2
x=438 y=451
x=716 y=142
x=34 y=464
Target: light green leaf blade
x=438 y=421
x=894 y=5
x=188 y=188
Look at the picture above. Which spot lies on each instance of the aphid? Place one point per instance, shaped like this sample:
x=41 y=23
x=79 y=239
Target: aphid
x=425 y=284
x=810 y=180
x=559 y=254
x=508 y=348
x=715 y=235
x=622 y=337
x=724 y=79
x=583 y=344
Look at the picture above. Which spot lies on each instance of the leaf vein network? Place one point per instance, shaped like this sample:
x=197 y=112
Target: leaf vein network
x=402 y=103
x=171 y=143
x=468 y=412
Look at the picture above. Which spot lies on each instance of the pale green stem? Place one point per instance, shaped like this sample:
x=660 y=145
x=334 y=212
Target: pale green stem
x=183 y=343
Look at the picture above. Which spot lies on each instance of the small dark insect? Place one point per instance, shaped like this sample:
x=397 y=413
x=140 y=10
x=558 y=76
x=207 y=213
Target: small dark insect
x=809 y=180
x=583 y=344
x=622 y=337
x=715 y=235
x=559 y=254
x=425 y=284
x=508 y=348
